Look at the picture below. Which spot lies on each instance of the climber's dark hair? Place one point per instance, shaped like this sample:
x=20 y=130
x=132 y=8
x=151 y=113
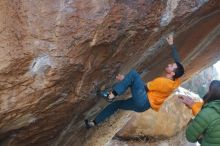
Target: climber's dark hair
x=179 y=71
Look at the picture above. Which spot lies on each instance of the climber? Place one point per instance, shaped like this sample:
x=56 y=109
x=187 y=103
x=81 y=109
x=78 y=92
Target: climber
x=151 y=95
x=205 y=127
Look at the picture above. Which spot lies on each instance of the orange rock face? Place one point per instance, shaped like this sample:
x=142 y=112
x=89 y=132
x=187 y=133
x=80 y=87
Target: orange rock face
x=56 y=54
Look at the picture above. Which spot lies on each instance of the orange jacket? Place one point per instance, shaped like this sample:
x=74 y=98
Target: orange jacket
x=159 y=89
x=196 y=108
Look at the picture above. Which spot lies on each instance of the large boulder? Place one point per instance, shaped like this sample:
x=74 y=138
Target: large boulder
x=56 y=54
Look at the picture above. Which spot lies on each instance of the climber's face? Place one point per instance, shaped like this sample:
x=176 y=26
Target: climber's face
x=170 y=69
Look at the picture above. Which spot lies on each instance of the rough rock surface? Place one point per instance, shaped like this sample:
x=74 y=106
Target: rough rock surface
x=155 y=128
x=56 y=54
x=177 y=140
x=171 y=119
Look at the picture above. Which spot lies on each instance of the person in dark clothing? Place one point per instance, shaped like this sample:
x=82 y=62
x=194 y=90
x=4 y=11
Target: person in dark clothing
x=151 y=95
x=205 y=127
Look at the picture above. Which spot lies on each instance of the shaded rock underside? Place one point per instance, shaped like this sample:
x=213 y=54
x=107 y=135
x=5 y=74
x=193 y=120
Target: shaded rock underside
x=56 y=54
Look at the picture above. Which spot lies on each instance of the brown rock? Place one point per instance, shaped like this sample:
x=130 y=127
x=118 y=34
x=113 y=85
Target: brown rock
x=55 y=55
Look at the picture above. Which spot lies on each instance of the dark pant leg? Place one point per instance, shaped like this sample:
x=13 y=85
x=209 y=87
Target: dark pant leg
x=133 y=80
x=139 y=93
x=123 y=85
x=120 y=104
x=138 y=102
x=113 y=107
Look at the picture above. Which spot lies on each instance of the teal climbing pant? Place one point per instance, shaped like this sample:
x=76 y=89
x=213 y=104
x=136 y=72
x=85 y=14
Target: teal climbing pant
x=138 y=102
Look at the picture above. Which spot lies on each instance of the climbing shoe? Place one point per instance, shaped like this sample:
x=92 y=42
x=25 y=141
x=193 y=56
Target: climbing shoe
x=105 y=95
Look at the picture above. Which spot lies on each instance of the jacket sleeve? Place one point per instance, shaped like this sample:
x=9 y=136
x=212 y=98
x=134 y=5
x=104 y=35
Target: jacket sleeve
x=198 y=126
x=196 y=108
x=175 y=54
